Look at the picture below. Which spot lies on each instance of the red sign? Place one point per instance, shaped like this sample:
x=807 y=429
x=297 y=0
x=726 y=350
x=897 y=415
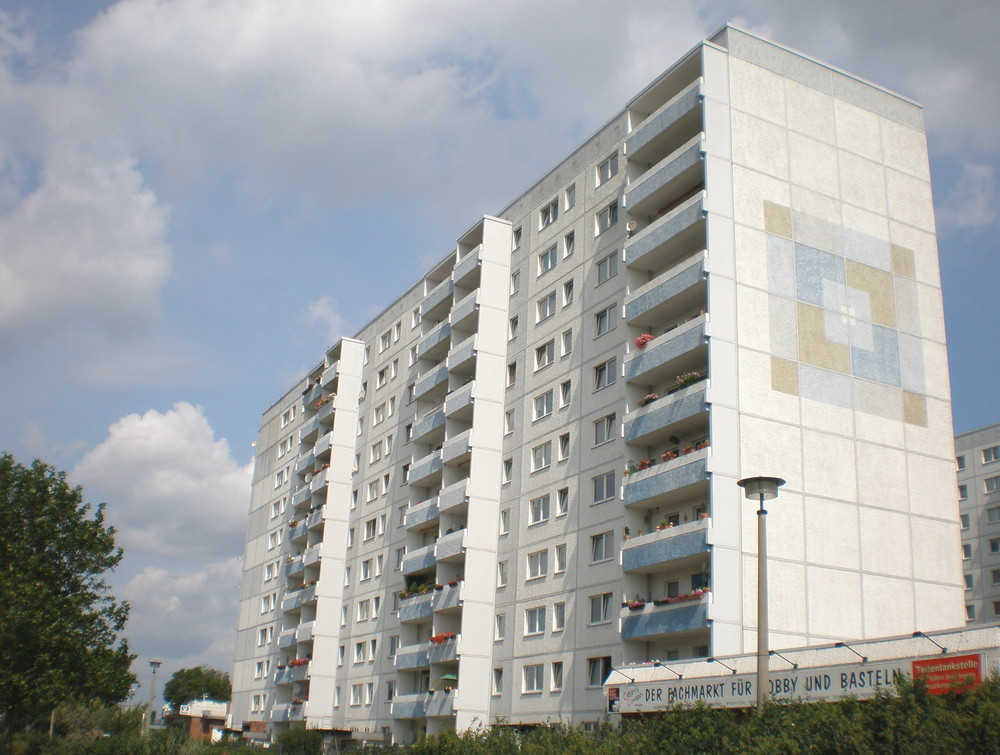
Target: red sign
x=955 y=673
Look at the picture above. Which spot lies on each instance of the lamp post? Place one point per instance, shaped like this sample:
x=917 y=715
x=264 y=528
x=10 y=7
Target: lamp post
x=152 y=693
x=761 y=489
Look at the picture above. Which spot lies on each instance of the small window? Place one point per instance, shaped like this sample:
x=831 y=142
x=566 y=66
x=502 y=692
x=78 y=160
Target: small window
x=967 y=551
x=600 y=608
x=960 y=462
x=538 y=564
x=415 y=318
x=502 y=574
x=604 y=487
x=511 y=373
x=558 y=617
x=508 y=470
x=546 y=306
x=570 y=195
x=567 y=342
x=538 y=510
x=992 y=484
x=508 y=422
x=606 y=218
x=562 y=502
x=534 y=620
x=564 y=447
x=499 y=626
x=996 y=607
x=568 y=293
x=541 y=457
x=515 y=282
x=604 y=429
x=543 y=405
x=498 y=681
x=560 y=565
x=607 y=268
x=547 y=260
x=569 y=244
x=602 y=547
x=517 y=237
x=995 y=576
x=512 y=330
x=505 y=521
x=970 y=613
x=968 y=582
x=963 y=492
x=607 y=169
x=993 y=514
x=605 y=374
x=565 y=393
x=966 y=521
x=545 y=354
x=548 y=214
x=534 y=678
x=598 y=669
x=991 y=454
x=995 y=545
x=605 y=320
x=557 y=675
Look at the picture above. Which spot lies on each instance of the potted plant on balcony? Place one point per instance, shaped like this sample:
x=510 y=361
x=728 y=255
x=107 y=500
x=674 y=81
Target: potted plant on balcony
x=643 y=340
x=688 y=449
x=688 y=378
x=701 y=444
x=668 y=455
x=645 y=464
x=636 y=605
x=626 y=532
x=648 y=399
x=630 y=468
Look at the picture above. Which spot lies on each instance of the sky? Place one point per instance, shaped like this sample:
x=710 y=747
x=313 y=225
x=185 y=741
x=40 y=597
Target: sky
x=197 y=197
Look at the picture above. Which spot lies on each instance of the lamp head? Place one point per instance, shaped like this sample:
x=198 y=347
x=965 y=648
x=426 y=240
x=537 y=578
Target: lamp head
x=755 y=488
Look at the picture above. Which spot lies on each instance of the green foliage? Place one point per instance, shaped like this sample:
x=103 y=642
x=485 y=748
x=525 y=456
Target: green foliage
x=193 y=683
x=60 y=629
x=301 y=741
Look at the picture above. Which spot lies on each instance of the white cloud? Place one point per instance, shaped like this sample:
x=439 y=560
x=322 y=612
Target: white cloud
x=174 y=491
x=325 y=313
x=972 y=201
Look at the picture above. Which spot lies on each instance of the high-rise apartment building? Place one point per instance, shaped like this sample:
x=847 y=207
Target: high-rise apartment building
x=522 y=474
x=977 y=456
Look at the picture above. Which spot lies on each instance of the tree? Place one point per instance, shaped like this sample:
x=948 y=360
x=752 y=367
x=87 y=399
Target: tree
x=60 y=629
x=193 y=683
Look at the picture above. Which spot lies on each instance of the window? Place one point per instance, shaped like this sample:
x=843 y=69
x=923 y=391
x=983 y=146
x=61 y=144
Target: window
x=261 y=669
x=264 y=636
x=258 y=703
x=363 y=606
x=359 y=652
x=534 y=620
x=970 y=613
x=565 y=393
x=393 y=645
x=372 y=649
x=378 y=416
x=505 y=521
x=605 y=320
x=383 y=342
x=400 y=553
x=370 y=529
x=356 y=692
x=604 y=487
x=377 y=600
x=288 y=416
x=408 y=433
x=602 y=547
x=568 y=293
x=960 y=462
x=968 y=582
x=538 y=564
x=405 y=473
x=569 y=244
x=570 y=197
x=390 y=691
x=995 y=576
x=991 y=454
x=564 y=447
x=992 y=484
x=533 y=678
x=546 y=354
x=341 y=654
x=382 y=520
x=281 y=477
x=413 y=355
x=508 y=470
x=606 y=218
x=411 y=393
x=605 y=374
x=543 y=405
x=376 y=452
x=995 y=545
x=560 y=558
x=511 y=373
x=562 y=502
x=515 y=282
x=381 y=377
x=996 y=607
x=517 y=237
x=600 y=608
x=966 y=521
x=963 y=492
x=366 y=570
x=541 y=456
x=345 y=611
x=548 y=214
x=558 y=617
x=498 y=681
x=373 y=490
x=508 y=422
x=604 y=429
x=967 y=551
x=538 y=510
x=274 y=540
x=607 y=268
x=394 y=367
x=598 y=670
x=512 y=329
x=269 y=571
x=607 y=169
x=993 y=514
x=350 y=538
x=547 y=260
x=502 y=574
x=267 y=603
x=415 y=318
x=557 y=676
x=546 y=306
x=500 y=626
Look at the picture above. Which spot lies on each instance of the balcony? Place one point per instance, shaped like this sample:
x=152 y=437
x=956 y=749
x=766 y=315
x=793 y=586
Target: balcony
x=312 y=555
x=283 y=676
x=441 y=703
x=454 y=497
x=302 y=497
x=411 y=657
x=681 y=288
x=677 y=413
x=444 y=652
x=458 y=404
x=419 y=560
x=666 y=239
x=462 y=357
x=432 y=384
x=324 y=444
x=426 y=470
x=655 y=622
x=294 y=601
x=468 y=267
x=410 y=706
x=309 y=430
x=280 y=713
x=299 y=532
x=667 y=128
x=430 y=429
x=457 y=450
x=311 y=395
x=329 y=375
x=668 y=482
x=305 y=631
x=305 y=464
x=295 y=567
x=647 y=554
x=463 y=315
x=320 y=481
x=297 y=712
x=450 y=546
x=287 y=638
x=435 y=344
x=417 y=608
x=437 y=303
x=422 y=515
x=325 y=412
x=681 y=349
x=672 y=177
x=448 y=598
x=315 y=518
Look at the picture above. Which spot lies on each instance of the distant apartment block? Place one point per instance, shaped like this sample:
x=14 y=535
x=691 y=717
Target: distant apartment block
x=522 y=474
x=977 y=456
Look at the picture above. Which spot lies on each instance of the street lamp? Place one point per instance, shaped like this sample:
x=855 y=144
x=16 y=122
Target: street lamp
x=152 y=693
x=761 y=489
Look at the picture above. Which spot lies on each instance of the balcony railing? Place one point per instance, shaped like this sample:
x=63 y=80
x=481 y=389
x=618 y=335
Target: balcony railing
x=462 y=312
x=444 y=652
x=461 y=356
x=419 y=560
x=438 y=301
x=416 y=608
x=667 y=482
x=450 y=546
x=467 y=266
x=423 y=514
x=434 y=381
x=428 y=425
x=448 y=598
x=668 y=415
x=412 y=657
x=435 y=344
x=663 y=241
x=457 y=450
x=668 y=354
x=651 y=137
x=654 y=621
x=426 y=469
x=459 y=401
x=410 y=706
x=682 y=287
x=670 y=178
x=441 y=703
x=453 y=497
x=649 y=553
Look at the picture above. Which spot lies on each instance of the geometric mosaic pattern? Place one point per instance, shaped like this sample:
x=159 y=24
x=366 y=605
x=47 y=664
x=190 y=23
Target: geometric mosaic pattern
x=844 y=317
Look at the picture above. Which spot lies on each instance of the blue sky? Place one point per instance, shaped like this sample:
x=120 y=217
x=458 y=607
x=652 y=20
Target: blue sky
x=198 y=196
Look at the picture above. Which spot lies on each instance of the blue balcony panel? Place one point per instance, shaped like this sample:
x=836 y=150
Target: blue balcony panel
x=668 y=238
x=419 y=560
x=416 y=608
x=659 y=621
x=441 y=703
x=467 y=269
x=410 y=706
x=664 y=547
x=673 y=176
x=426 y=469
x=678 y=289
x=418 y=517
x=668 y=355
x=461 y=356
x=667 y=483
x=412 y=657
x=454 y=497
x=427 y=426
x=652 y=136
x=437 y=303
x=459 y=402
x=448 y=598
x=450 y=546
x=462 y=314
x=435 y=344
x=433 y=382
x=669 y=415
